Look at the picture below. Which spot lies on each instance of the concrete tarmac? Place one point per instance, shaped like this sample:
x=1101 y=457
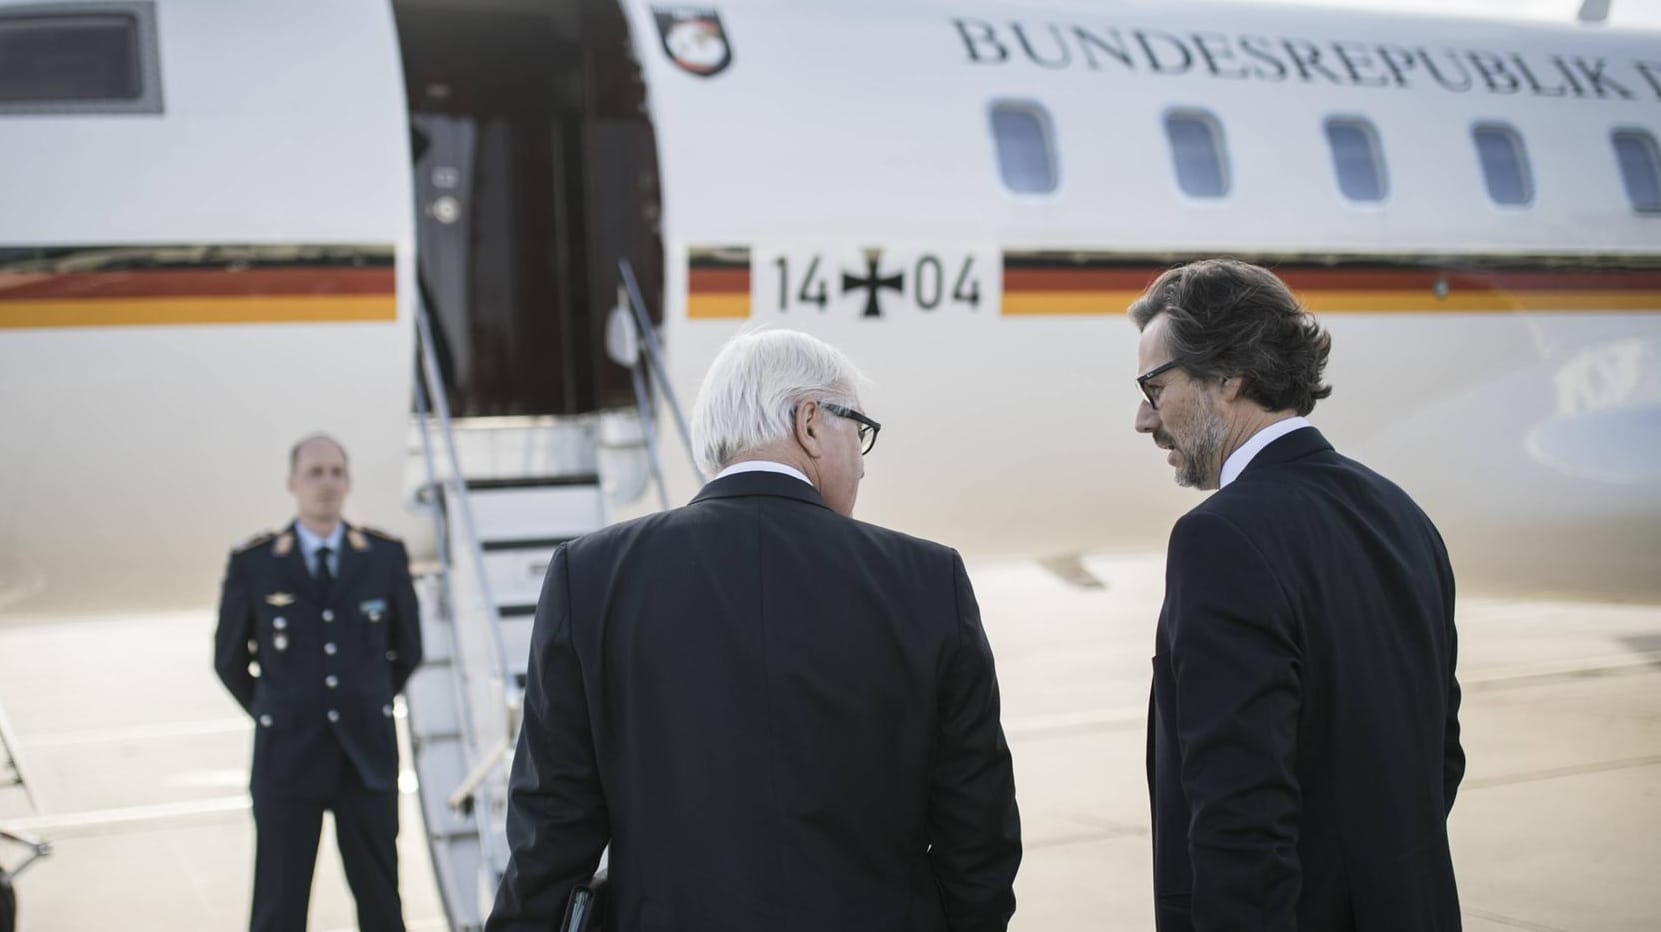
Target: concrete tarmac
x=139 y=762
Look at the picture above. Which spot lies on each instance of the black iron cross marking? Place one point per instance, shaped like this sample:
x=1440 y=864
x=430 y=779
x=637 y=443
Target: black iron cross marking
x=873 y=283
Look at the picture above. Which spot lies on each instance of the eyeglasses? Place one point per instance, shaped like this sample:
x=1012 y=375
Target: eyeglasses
x=1142 y=381
x=868 y=428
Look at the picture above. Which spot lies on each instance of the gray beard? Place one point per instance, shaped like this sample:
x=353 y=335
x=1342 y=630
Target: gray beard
x=1201 y=449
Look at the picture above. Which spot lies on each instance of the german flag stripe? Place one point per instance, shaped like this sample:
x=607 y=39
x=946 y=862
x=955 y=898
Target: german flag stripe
x=153 y=283
x=127 y=286
x=718 y=285
x=1036 y=285
x=718 y=281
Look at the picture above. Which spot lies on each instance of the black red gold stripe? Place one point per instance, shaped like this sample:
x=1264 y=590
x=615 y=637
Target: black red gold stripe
x=128 y=286
x=1036 y=284
x=718 y=284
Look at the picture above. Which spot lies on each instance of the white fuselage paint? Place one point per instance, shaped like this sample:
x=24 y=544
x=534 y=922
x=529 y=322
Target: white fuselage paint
x=134 y=456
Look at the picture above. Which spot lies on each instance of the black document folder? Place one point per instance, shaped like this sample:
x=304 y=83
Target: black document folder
x=585 y=908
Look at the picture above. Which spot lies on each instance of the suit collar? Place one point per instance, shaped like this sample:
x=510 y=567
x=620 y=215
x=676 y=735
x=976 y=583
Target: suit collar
x=760 y=483
x=1295 y=445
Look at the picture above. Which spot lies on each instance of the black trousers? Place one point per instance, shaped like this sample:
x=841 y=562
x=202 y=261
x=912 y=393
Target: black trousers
x=287 y=829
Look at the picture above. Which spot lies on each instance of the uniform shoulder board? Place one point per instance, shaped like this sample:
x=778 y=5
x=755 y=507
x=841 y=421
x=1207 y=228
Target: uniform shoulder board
x=255 y=541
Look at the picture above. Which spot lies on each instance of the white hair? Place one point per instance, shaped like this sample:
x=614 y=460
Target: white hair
x=751 y=391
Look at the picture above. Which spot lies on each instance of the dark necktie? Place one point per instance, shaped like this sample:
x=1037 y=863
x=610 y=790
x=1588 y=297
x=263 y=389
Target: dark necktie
x=325 y=577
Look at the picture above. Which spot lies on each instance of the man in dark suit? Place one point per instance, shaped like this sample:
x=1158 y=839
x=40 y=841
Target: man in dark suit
x=1303 y=737
x=778 y=717
x=326 y=613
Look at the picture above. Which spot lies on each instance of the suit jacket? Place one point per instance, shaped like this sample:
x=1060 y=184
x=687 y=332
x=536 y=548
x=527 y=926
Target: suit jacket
x=779 y=717
x=329 y=664
x=1303 y=740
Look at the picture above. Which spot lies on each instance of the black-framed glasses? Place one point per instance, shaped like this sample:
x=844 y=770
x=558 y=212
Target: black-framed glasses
x=868 y=428
x=1142 y=381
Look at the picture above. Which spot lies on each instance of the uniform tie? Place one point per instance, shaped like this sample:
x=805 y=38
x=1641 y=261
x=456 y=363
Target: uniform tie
x=325 y=576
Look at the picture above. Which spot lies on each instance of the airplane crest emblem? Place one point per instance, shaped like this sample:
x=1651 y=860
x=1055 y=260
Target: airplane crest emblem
x=694 y=39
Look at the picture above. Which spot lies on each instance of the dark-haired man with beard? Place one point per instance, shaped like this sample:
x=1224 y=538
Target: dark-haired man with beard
x=1303 y=735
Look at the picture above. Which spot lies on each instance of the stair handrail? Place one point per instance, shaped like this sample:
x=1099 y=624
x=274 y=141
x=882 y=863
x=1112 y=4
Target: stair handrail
x=440 y=409
x=654 y=355
x=469 y=530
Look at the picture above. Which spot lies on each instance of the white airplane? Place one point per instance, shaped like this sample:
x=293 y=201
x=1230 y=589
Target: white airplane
x=213 y=224
x=219 y=220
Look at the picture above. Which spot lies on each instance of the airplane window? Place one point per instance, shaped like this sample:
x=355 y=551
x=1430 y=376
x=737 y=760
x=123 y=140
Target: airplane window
x=99 y=59
x=1197 y=152
x=1357 y=158
x=1640 y=168
x=1504 y=164
x=1026 y=149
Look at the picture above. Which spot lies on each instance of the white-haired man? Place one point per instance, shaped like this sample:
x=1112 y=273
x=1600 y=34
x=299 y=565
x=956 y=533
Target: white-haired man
x=777 y=716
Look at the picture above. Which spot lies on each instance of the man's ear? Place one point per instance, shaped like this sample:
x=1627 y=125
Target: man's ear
x=1232 y=387
x=809 y=428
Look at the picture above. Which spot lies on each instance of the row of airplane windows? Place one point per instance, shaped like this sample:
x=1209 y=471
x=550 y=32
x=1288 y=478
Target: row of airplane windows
x=107 y=63
x=1028 y=163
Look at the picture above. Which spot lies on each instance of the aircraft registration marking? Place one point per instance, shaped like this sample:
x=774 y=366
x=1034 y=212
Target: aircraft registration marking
x=841 y=282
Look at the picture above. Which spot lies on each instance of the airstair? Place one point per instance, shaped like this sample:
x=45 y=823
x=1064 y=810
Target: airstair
x=503 y=494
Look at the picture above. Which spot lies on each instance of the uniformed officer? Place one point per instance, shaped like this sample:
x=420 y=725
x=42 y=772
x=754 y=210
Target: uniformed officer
x=318 y=629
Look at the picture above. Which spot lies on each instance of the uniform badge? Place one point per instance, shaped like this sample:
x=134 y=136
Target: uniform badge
x=280 y=599
x=373 y=609
x=285 y=543
x=357 y=539
x=694 y=39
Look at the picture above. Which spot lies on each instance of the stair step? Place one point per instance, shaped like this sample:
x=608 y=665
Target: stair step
x=521 y=513
x=516 y=640
x=430 y=695
x=454 y=836
x=524 y=543
x=532 y=482
x=516 y=574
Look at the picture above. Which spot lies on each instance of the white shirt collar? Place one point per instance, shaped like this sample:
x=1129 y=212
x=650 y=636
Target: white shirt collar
x=1241 y=458
x=309 y=543
x=763 y=466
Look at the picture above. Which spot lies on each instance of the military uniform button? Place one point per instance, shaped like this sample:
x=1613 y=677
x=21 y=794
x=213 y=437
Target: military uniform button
x=328 y=614
x=279 y=622
x=265 y=721
x=386 y=710
x=330 y=648
x=334 y=716
x=253 y=646
x=331 y=681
